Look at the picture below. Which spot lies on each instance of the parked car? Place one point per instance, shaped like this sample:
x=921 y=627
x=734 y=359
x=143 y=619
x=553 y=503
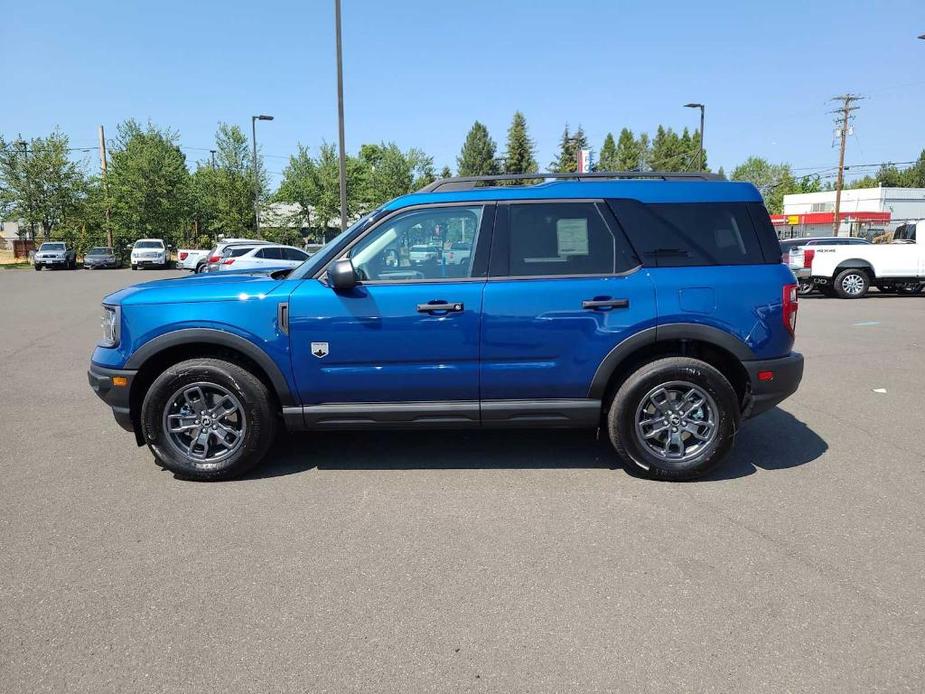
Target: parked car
x=150 y=253
x=53 y=254
x=798 y=254
x=215 y=255
x=423 y=253
x=848 y=272
x=190 y=259
x=264 y=256
x=459 y=253
x=100 y=257
x=312 y=248
x=657 y=311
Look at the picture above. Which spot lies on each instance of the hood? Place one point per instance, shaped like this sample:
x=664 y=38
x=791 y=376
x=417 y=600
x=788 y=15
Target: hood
x=216 y=286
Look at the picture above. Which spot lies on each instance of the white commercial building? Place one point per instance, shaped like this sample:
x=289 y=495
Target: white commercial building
x=863 y=211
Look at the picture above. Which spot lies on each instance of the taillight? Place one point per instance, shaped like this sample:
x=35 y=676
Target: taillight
x=183 y=255
x=228 y=261
x=790 y=305
x=808 y=254
x=214 y=258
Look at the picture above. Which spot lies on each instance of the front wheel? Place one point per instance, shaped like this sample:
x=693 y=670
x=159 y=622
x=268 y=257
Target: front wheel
x=208 y=419
x=674 y=418
x=851 y=283
x=38 y=267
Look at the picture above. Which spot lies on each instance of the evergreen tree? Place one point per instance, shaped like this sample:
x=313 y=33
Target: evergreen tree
x=645 y=152
x=569 y=146
x=628 y=154
x=446 y=172
x=477 y=157
x=607 y=160
x=520 y=155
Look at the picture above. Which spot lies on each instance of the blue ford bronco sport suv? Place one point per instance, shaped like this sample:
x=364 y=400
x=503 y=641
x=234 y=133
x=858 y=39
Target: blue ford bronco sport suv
x=652 y=305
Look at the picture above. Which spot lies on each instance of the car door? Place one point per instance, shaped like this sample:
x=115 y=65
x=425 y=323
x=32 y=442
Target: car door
x=564 y=288
x=402 y=346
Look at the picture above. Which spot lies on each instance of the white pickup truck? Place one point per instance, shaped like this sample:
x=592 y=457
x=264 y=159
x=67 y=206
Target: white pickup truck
x=850 y=271
x=191 y=259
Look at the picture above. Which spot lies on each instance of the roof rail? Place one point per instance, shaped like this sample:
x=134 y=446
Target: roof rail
x=469 y=182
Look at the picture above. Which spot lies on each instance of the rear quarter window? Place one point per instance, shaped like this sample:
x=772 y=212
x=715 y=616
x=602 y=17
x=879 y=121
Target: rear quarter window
x=691 y=234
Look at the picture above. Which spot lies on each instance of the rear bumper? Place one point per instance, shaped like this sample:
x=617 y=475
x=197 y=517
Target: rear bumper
x=787 y=372
x=117 y=397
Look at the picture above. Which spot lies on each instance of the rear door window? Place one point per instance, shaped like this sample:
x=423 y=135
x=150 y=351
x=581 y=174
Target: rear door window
x=556 y=239
x=689 y=234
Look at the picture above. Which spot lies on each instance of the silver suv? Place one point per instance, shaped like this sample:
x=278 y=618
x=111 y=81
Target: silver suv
x=55 y=254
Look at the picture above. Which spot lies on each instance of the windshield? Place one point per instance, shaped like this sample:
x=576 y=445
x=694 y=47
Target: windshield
x=52 y=247
x=100 y=250
x=324 y=254
x=149 y=244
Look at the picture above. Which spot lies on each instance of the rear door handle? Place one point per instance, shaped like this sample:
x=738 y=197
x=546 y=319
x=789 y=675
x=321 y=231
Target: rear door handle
x=441 y=307
x=606 y=304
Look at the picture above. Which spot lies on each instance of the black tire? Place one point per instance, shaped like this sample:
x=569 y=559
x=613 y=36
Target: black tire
x=673 y=371
x=199 y=268
x=256 y=408
x=38 y=267
x=852 y=283
x=806 y=287
x=134 y=267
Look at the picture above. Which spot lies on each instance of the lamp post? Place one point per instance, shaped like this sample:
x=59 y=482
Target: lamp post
x=702 y=109
x=342 y=156
x=254 y=120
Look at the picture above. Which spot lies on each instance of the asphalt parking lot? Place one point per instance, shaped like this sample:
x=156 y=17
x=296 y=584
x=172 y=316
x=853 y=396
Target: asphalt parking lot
x=464 y=561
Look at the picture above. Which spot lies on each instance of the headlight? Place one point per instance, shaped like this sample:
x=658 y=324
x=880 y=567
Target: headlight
x=110 y=321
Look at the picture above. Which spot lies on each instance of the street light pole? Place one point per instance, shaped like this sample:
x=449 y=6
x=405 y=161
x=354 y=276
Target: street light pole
x=254 y=120
x=702 y=109
x=342 y=165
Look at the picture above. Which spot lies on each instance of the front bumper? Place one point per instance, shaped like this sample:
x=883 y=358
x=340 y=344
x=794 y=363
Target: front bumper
x=117 y=397
x=51 y=261
x=787 y=372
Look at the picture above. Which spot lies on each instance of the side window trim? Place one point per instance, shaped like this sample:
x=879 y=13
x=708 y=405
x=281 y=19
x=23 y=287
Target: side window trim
x=483 y=242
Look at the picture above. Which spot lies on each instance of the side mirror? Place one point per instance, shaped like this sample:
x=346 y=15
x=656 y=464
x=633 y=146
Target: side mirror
x=341 y=275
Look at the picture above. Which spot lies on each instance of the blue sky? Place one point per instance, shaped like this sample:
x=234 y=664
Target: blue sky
x=420 y=72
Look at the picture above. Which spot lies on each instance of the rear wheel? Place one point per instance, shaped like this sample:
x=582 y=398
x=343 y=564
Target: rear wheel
x=806 y=287
x=674 y=418
x=208 y=419
x=852 y=283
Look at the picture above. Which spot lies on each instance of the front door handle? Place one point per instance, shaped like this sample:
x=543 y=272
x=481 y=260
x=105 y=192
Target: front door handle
x=604 y=304
x=441 y=307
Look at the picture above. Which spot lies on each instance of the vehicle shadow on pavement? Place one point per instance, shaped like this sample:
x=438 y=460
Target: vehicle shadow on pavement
x=775 y=441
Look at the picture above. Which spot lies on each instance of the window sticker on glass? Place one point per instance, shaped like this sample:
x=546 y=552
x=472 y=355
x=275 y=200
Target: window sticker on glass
x=572 y=236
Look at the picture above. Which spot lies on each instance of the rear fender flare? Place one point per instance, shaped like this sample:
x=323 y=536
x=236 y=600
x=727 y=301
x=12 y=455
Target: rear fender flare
x=664 y=333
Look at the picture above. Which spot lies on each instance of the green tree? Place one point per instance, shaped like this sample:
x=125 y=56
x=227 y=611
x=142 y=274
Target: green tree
x=313 y=185
x=39 y=184
x=222 y=195
x=629 y=154
x=477 y=157
x=773 y=181
x=669 y=151
x=607 y=159
x=520 y=155
x=389 y=172
x=569 y=146
x=148 y=184
x=446 y=172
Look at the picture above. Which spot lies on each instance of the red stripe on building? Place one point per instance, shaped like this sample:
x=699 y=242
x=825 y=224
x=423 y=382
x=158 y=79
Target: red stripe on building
x=827 y=218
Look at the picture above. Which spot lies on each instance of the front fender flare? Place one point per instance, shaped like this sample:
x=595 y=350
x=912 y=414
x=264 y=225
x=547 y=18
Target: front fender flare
x=189 y=336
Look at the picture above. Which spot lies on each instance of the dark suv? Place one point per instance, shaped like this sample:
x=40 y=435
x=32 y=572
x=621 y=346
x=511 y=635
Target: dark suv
x=654 y=306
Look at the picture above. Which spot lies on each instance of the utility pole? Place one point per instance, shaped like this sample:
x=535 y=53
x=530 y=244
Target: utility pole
x=254 y=120
x=340 y=121
x=843 y=118
x=212 y=152
x=25 y=168
x=105 y=188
